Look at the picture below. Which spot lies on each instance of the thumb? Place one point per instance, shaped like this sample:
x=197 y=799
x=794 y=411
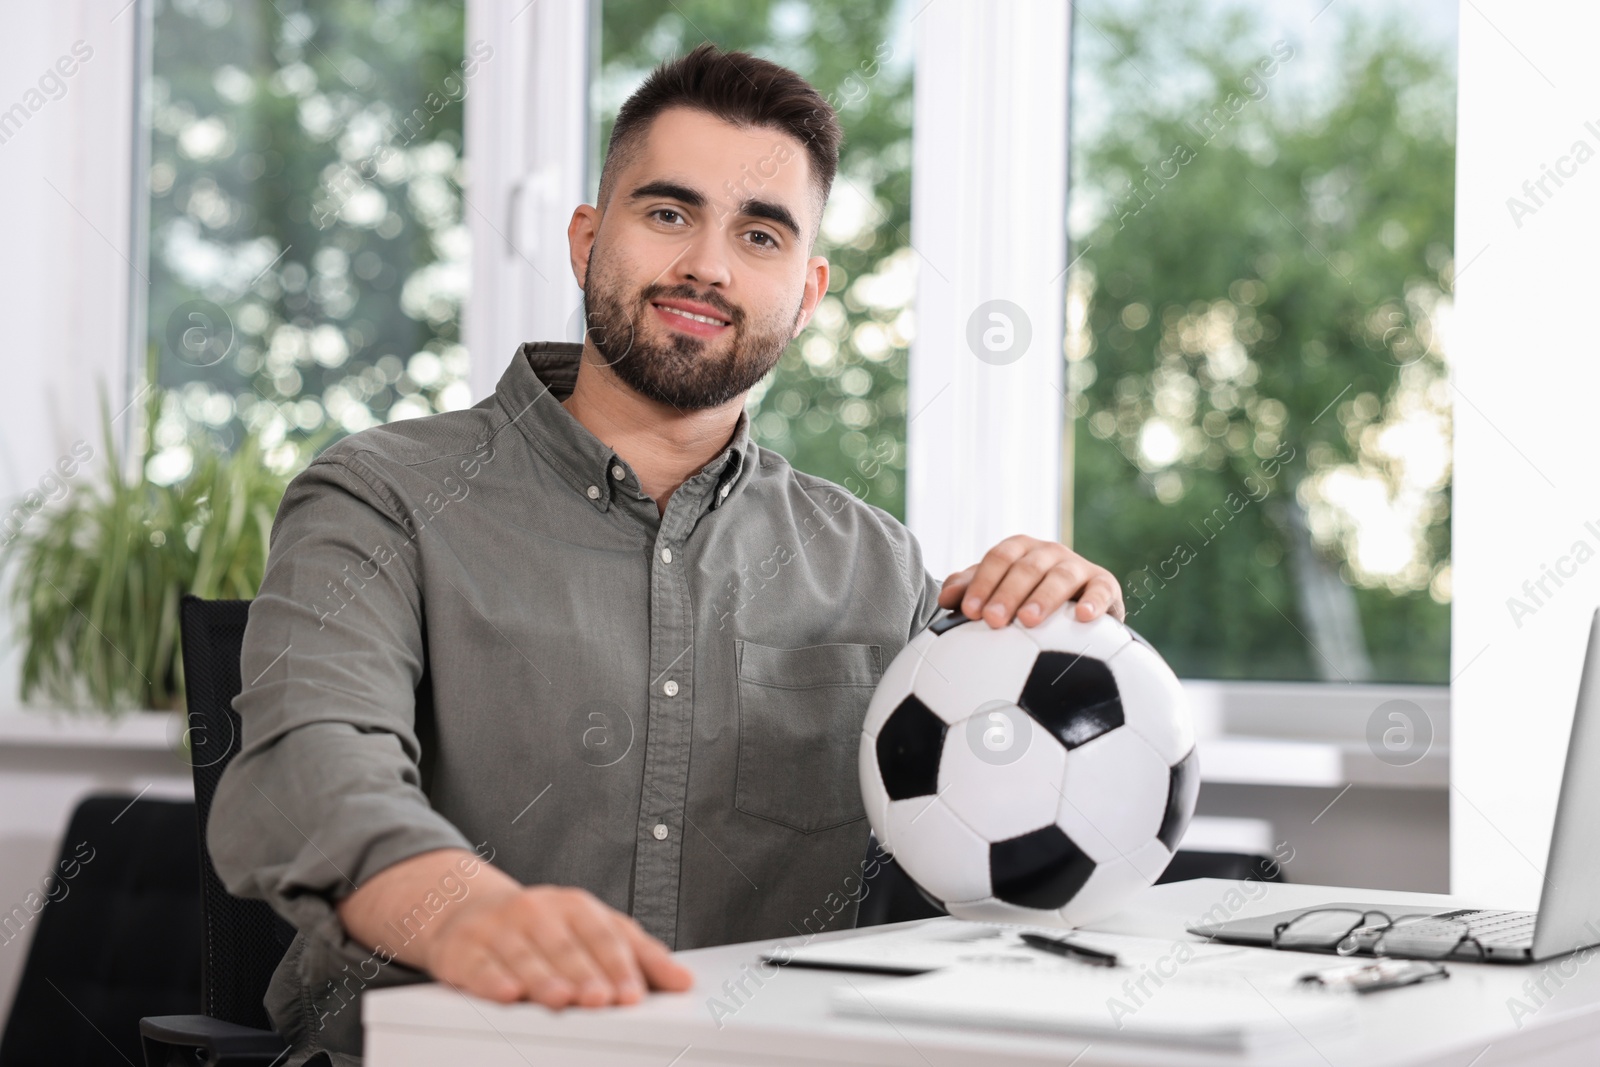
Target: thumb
x=954 y=586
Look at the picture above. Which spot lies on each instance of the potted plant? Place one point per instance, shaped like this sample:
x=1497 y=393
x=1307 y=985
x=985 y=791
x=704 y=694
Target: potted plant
x=98 y=578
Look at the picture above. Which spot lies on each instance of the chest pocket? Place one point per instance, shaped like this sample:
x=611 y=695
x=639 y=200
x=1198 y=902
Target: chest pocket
x=800 y=716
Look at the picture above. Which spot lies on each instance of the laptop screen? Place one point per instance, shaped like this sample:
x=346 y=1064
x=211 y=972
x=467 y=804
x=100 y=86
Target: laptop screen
x=1569 y=902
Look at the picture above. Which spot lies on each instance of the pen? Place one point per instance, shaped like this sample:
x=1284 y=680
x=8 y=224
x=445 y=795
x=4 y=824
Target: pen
x=1062 y=947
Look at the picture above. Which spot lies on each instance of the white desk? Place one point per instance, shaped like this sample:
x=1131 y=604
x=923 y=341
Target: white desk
x=1463 y=1021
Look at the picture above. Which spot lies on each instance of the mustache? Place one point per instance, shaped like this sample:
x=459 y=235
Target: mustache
x=734 y=316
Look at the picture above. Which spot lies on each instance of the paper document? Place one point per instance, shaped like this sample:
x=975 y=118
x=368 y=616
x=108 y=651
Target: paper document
x=1200 y=1004
x=944 y=942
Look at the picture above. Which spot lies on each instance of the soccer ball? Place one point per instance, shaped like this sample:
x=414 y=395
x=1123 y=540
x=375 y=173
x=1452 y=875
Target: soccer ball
x=1032 y=775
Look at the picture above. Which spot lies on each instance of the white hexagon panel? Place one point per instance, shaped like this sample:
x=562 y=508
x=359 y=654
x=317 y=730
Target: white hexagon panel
x=1153 y=701
x=941 y=853
x=1101 y=637
x=1115 y=795
x=1150 y=861
x=1001 y=773
x=971 y=666
x=1105 y=893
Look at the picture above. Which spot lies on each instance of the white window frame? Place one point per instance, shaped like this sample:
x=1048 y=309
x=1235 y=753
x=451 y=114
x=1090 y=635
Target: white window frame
x=987 y=447
x=988 y=222
x=527 y=151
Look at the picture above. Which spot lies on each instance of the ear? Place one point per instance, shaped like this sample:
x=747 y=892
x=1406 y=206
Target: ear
x=816 y=286
x=581 y=234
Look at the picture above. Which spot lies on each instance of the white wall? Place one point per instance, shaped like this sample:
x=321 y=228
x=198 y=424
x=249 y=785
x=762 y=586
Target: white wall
x=1528 y=382
x=66 y=230
x=65 y=217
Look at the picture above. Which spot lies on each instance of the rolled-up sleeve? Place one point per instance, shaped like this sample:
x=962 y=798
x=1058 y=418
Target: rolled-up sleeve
x=326 y=789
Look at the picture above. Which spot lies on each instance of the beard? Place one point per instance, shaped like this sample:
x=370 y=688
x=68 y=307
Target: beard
x=690 y=373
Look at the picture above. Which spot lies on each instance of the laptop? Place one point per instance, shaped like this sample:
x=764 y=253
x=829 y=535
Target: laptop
x=1568 y=918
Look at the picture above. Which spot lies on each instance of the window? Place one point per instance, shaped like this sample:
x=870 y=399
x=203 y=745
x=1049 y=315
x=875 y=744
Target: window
x=835 y=406
x=1262 y=214
x=306 y=243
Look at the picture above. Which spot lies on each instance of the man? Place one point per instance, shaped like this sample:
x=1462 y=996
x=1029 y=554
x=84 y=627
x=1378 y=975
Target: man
x=539 y=691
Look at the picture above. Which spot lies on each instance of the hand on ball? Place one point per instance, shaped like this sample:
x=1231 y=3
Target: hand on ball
x=1026 y=579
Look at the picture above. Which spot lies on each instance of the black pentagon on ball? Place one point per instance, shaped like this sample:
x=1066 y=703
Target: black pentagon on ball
x=1042 y=869
x=948 y=622
x=1074 y=697
x=909 y=746
x=1182 y=792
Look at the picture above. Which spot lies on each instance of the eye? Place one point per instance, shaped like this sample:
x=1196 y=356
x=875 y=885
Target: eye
x=664 y=211
x=771 y=241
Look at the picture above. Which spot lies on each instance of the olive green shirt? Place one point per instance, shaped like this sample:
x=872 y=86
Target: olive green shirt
x=476 y=631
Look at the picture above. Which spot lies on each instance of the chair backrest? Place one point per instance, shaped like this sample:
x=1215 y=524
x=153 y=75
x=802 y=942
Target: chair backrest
x=115 y=934
x=243 y=939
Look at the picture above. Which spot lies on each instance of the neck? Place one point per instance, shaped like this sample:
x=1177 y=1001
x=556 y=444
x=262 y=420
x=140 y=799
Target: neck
x=664 y=445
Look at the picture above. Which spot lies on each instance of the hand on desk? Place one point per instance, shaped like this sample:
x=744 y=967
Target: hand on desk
x=503 y=941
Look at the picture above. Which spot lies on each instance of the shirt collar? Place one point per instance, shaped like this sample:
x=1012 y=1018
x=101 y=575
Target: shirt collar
x=542 y=374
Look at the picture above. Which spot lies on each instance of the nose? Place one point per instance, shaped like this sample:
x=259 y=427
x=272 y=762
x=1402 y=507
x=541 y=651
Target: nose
x=703 y=261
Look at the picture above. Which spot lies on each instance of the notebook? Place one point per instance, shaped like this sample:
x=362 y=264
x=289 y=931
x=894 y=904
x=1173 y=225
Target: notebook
x=1203 y=1006
x=944 y=942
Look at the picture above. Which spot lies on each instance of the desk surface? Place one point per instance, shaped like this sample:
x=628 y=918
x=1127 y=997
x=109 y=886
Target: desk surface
x=1466 y=1021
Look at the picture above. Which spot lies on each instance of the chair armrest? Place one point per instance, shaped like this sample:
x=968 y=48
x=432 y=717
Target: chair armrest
x=170 y=1040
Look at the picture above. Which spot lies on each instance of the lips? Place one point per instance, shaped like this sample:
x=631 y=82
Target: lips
x=693 y=307
x=691 y=317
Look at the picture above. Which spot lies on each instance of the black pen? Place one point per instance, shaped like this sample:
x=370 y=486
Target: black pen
x=1062 y=947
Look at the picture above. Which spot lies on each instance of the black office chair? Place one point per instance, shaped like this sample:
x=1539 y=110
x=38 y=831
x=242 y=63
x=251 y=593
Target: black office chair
x=243 y=940
x=119 y=937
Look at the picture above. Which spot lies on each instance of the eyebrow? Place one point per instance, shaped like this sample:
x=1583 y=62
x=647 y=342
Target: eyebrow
x=753 y=207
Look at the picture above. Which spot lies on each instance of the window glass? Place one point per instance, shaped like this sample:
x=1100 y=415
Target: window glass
x=1262 y=213
x=307 y=252
x=835 y=405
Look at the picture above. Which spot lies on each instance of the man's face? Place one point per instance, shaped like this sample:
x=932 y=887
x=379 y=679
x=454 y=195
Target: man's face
x=712 y=220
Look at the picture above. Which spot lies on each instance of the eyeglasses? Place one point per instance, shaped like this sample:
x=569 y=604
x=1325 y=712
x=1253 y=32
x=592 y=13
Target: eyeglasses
x=1348 y=931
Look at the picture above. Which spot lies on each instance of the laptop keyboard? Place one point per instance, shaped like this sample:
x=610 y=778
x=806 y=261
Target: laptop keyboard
x=1496 y=927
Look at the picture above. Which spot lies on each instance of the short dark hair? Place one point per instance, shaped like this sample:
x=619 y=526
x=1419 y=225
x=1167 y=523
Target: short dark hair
x=736 y=87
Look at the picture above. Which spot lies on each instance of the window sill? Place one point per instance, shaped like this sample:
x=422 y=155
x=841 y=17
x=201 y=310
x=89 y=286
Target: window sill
x=1233 y=759
x=134 y=731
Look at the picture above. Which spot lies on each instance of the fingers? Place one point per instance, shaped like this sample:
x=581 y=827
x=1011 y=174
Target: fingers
x=1101 y=595
x=954 y=586
x=557 y=946
x=1045 y=572
x=533 y=976
x=1053 y=590
x=554 y=932
x=602 y=934
x=662 y=971
x=475 y=968
x=1027 y=579
x=996 y=562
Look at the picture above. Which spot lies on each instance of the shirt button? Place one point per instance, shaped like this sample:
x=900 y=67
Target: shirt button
x=666 y=555
x=617 y=472
x=670 y=687
x=594 y=492
x=724 y=490
x=660 y=831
